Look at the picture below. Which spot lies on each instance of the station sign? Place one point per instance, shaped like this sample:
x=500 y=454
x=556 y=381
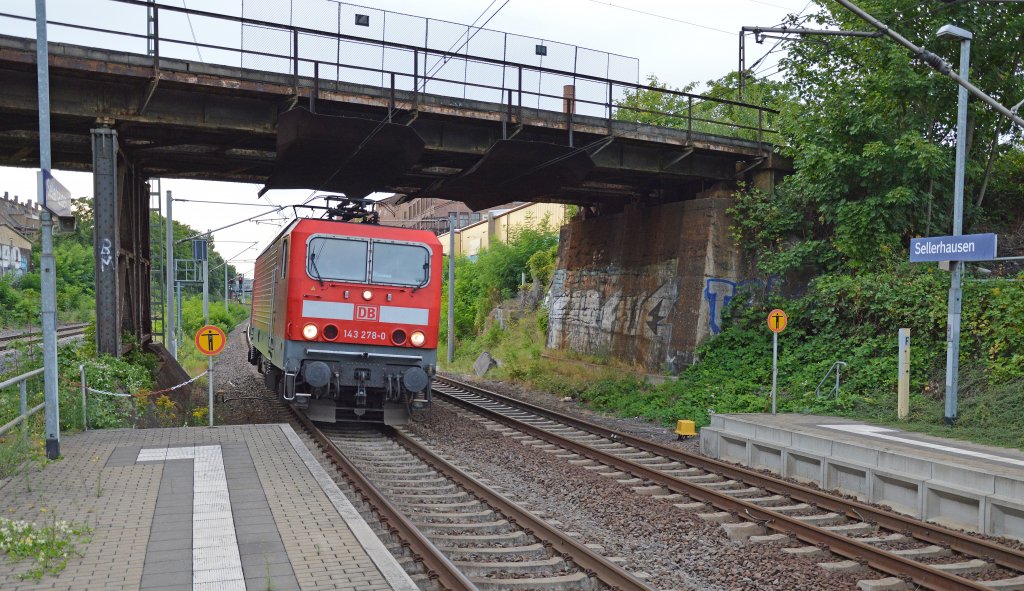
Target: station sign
x=56 y=196
x=968 y=247
x=57 y=200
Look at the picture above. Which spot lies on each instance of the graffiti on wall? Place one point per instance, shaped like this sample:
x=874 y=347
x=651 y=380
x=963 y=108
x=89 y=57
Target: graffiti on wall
x=719 y=292
x=106 y=254
x=13 y=260
x=611 y=313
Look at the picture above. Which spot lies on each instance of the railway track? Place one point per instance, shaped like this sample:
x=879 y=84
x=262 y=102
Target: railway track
x=30 y=336
x=750 y=503
x=465 y=534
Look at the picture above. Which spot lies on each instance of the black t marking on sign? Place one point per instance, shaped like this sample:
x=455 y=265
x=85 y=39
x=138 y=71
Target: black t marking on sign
x=209 y=339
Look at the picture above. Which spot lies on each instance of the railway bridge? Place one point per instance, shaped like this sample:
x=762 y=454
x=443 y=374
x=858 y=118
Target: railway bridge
x=643 y=271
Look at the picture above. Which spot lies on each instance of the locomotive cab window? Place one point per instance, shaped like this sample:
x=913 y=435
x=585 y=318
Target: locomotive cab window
x=337 y=259
x=400 y=264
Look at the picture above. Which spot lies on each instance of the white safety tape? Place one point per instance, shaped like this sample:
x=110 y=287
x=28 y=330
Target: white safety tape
x=123 y=395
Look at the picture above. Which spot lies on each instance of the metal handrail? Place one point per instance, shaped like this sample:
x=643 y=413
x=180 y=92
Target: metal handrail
x=837 y=366
x=419 y=52
x=26 y=412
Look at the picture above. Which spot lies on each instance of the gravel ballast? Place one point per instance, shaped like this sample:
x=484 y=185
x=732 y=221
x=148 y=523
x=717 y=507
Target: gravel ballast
x=676 y=549
x=671 y=548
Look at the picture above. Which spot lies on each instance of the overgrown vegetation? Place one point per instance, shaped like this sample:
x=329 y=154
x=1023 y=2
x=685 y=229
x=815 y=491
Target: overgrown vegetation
x=20 y=297
x=48 y=546
x=496 y=275
x=853 y=318
x=872 y=133
x=76 y=284
x=132 y=374
x=192 y=320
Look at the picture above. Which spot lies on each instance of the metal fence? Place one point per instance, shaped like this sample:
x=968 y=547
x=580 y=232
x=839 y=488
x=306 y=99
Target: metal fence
x=389 y=53
x=21 y=382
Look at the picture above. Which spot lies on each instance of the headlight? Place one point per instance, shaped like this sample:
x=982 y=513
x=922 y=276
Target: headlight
x=367 y=295
x=309 y=332
x=418 y=338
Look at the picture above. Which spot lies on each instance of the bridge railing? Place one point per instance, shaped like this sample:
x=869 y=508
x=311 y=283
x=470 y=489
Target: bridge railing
x=403 y=73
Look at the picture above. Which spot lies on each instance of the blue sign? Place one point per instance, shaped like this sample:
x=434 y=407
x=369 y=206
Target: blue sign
x=968 y=247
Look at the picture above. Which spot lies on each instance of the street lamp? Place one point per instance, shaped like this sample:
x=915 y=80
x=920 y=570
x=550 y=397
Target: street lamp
x=956 y=267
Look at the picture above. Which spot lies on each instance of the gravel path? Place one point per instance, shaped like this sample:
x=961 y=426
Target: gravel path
x=246 y=399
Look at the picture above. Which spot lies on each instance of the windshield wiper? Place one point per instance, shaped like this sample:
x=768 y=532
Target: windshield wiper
x=312 y=264
x=426 y=277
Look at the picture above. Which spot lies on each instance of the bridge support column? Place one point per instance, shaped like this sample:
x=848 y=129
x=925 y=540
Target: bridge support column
x=646 y=285
x=107 y=241
x=122 y=251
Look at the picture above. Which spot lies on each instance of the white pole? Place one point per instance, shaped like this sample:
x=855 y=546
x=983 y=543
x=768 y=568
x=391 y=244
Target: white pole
x=206 y=320
x=209 y=382
x=903 y=390
x=47 y=263
x=775 y=366
x=170 y=319
x=451 y=286
x=955 y=290
x=85 y=415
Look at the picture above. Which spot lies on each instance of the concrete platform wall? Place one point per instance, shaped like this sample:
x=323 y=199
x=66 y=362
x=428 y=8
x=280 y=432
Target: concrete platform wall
x=950 y=494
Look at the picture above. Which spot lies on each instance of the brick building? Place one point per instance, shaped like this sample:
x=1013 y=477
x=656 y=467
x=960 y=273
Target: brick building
x=22 y=217
x=19 y=224
x=429 y=213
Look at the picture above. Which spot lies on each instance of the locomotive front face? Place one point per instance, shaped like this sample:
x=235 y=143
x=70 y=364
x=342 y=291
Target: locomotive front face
x=367 y=318
x=360 y=336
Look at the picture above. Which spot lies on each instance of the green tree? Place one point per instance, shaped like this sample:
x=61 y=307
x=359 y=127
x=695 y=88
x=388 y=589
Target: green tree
x=495 y=275
x=183 y=233
x=872 y=134
x=716 y=111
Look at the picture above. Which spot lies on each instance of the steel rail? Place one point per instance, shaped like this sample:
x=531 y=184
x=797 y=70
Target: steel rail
x=438 y=566
x=584 y=557
x=62 y=331
x=889 y=563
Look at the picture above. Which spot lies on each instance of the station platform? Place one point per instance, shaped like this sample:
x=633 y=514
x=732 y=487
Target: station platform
x=223 y=508
x=953 y=483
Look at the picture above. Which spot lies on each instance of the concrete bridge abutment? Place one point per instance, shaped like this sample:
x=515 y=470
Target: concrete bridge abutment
x=646 y=285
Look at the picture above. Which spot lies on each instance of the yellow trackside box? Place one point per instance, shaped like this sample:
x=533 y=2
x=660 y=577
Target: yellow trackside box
x=685 y=429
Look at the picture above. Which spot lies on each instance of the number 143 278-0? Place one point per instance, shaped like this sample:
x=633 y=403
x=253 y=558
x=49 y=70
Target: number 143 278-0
x=366 y=335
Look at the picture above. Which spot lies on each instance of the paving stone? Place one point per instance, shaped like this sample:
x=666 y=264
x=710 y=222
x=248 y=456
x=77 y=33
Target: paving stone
x=142 y=513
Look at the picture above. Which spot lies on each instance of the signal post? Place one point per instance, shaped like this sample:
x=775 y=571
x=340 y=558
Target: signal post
x=210 y=340
x=777 y=321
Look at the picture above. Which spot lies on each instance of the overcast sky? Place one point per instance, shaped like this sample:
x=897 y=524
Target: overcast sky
x=679 y=41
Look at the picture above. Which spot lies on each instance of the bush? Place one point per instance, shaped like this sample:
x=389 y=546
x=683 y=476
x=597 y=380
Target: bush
x=496 y=275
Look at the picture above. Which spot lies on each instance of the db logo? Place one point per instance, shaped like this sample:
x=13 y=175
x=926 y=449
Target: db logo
x=368 y=313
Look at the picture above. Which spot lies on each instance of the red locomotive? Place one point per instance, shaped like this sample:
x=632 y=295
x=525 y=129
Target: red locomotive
x=345 y=316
